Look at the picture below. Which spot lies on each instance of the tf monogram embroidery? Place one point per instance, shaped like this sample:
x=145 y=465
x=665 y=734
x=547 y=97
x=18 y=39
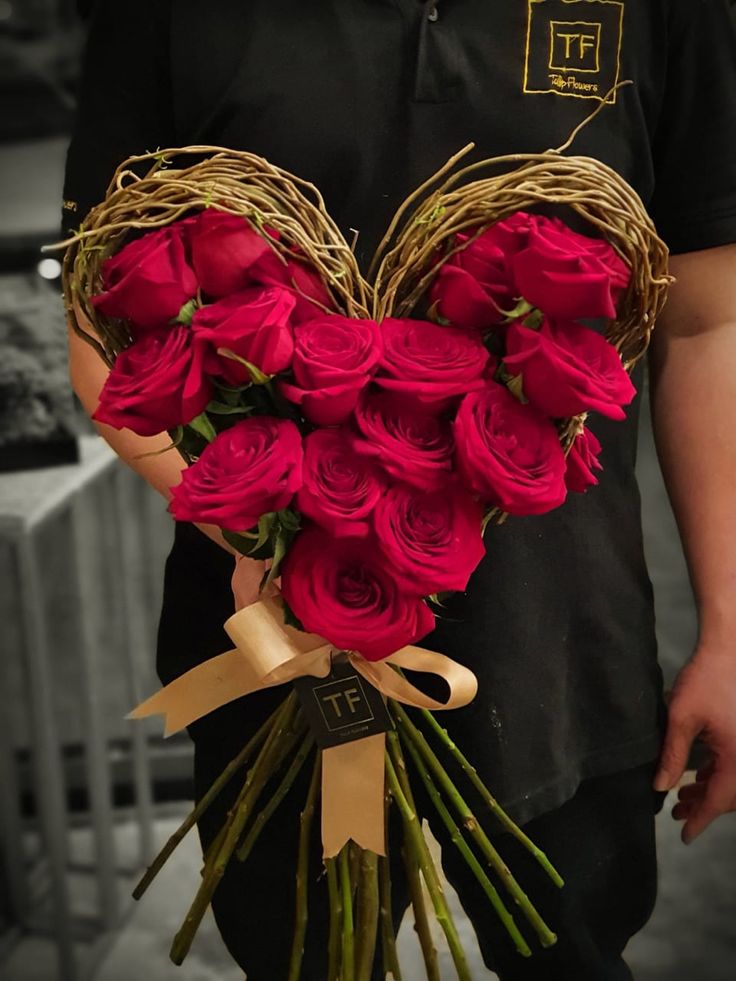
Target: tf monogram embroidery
x=573 y=47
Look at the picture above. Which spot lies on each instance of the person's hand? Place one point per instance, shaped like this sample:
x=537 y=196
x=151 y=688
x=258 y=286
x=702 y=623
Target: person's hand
x=702 y=703
x=246 y=580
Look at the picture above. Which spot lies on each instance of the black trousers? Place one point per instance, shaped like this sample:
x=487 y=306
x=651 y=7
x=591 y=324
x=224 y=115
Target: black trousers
x=601 y=840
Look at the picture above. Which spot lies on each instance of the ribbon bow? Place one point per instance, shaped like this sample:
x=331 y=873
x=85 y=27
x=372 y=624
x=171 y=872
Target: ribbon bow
x=267 y=653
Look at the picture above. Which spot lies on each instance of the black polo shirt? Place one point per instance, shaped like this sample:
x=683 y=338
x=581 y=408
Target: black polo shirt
x=366 y=98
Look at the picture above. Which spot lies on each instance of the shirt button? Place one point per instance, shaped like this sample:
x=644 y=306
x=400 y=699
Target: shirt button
x=433 y=14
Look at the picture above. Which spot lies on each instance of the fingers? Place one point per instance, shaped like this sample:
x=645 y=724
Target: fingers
x=681 y=731
x=246 y=581
x=700 y=803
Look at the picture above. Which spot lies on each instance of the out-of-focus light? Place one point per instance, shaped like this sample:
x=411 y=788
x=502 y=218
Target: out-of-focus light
x=6 y=10
x=49 y=268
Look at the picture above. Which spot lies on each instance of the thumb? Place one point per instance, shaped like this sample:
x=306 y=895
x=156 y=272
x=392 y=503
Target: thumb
x=681 y=731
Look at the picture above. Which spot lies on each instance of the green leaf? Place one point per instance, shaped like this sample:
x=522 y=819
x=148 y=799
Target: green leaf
x=522 y=308
x=202 y=425
x=432 y=216
x=239 y=540
x=186 y=314
x=290 y=520
x=433 y=315
x=290 y=618
x=279 y=552
x=512 y=382
x=231 y=396
x=256 y=374
x=514 y=385
x=176 y=438
x=221 y=409
x=535 y=320
x=266 y=524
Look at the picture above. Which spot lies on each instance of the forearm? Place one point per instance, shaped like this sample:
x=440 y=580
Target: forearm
x=161 y=470
x=693 y=400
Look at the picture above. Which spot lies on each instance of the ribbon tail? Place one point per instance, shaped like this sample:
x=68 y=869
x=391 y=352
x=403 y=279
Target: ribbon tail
x=353 y=780
x=206 y=687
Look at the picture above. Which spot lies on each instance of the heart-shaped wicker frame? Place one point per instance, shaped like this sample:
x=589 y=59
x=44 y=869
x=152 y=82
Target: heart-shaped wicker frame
x=424 y=227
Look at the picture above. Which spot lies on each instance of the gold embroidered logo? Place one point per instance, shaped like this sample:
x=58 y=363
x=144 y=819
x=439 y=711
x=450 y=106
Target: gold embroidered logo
x=573 y=47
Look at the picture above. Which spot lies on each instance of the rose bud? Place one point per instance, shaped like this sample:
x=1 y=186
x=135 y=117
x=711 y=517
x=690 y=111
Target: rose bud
x=149 y=280
x=433 y=541
x=475 y=286
x=582 y=462
x=334 y=358
x=429 y=362
x=569 y=276
x=254 y=324
x=250 y=469
x=341 y=487
x=342 y=589
x=224 y=248
x=508 y=453
x=154 y=384
x=567 y=369
x=410 y=443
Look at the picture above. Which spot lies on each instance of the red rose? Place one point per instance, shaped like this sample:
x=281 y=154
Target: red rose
x=255 y=324
x=229 y=256
x=334 y=358
x=430 y=362
x=410 y=443
x=154 y=385
x=508 y=453
x=433 y=542
x=475 y=284
x=307 y=287
x=567 y=369
x=149 y=280
x=224 y=248
x=248 y=470
x=343 y=590
x=582 y=462
x=341 y=487
x=567 y=275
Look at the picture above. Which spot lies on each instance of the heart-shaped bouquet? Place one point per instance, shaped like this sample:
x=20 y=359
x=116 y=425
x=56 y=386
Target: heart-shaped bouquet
x=360 y=434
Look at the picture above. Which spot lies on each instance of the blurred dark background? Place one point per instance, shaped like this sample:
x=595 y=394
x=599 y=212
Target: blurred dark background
x=84 y=795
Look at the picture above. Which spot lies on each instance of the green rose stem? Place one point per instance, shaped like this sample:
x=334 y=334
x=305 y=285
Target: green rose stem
x=389 y=955
x=214 y=870
x=492 y=803
x=185 y=827
x=283 y=789
x=398 y=783
x=469 y=821
x=298 y=730
x=302 y=869
x=334 y=949
x=419 y=906
x=421 y=920
x=355 y=852
x=346 y=891
x=367 y=923
x=457 y=839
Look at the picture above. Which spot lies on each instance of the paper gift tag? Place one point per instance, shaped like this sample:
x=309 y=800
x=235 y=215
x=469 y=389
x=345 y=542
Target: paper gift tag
x=343 y=706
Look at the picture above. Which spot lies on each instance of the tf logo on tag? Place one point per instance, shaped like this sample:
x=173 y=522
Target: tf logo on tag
x=343 y=706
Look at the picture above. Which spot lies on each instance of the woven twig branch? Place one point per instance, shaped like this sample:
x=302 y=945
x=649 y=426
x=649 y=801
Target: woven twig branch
x=236 y=182
x=407 y=259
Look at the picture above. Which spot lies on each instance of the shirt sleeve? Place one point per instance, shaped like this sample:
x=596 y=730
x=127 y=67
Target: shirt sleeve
x=124 y=99
x=694 y=202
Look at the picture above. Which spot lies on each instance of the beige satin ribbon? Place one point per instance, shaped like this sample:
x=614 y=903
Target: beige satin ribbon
x=268 y=653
